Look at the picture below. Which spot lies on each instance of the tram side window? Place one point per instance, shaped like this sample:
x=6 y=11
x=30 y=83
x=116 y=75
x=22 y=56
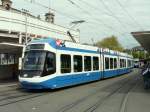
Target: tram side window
x=129 y=64
x=111 y=63
x=121 y=63
x=87 y=63
x=51 y=63
x=106 y=63
x=77 y=63
x=115 y=63
x=132 y=63
x=95 y=63
x=65 y=63
x=125 y=63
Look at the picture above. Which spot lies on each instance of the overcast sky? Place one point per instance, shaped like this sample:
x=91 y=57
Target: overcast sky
x=103 y=17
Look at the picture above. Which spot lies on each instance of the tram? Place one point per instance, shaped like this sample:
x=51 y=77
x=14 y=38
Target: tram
x=49 y=64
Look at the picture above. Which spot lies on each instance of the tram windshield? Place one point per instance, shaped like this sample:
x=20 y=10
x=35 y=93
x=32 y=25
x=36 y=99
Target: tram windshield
x=34 y=60
x=38 y=63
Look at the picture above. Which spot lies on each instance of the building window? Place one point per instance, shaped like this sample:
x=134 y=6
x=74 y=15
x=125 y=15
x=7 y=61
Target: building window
x=87 y=63
x=11 y=59
x=106 y=63
x=4 y=59
x=111 y=63
x=95 y=63
x=7 y=59
x=115 y=63
x=77 y=63
x=65 y=63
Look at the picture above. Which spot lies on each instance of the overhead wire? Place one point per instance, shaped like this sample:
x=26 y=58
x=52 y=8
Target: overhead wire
x=107 y=8
x=116 y=17
x=97 y=20
x=112 y=14
x=49 y=8
x=108 y=14
x=130 y=16
x=95 y=8
x=67 y=15
x=89 y=14
x=100 y=21
x=60 y=12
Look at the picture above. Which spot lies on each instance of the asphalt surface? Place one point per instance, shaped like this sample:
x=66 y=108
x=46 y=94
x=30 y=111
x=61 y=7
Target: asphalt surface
x=120 y=94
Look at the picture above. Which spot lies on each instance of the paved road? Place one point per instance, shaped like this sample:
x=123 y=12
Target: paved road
x=120 y=94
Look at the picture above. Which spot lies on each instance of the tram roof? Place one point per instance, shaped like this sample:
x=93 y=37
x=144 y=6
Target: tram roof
x=72 y=45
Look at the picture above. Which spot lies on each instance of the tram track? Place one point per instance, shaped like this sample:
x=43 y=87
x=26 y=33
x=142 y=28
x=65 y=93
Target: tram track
x=10 y=92
x=23 y=98
x=125 y=98
x=17 y=94
x=101 y=101
x=9 y=88
x=68 y=107
x=101 y=93
x=20 y=96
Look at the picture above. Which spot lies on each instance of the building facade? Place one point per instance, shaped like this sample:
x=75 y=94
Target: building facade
x=17 y=28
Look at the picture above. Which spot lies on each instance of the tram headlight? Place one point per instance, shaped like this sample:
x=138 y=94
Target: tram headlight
x=25 y=75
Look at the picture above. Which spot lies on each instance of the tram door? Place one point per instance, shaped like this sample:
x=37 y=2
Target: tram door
x=118 y=65
x=102 y=65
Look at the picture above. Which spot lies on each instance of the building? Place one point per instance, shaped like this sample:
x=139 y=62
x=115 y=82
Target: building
x=17 y=28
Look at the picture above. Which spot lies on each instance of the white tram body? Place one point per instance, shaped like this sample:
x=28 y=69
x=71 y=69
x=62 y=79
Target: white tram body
x=50 y=64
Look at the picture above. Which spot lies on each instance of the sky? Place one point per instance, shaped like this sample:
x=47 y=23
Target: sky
x=103 y=18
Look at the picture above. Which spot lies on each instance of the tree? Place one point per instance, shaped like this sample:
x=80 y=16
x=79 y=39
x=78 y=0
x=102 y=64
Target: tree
x=111 y=43
x=140 y=54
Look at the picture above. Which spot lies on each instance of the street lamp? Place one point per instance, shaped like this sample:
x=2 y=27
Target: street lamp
x=74 y=23
x=25 y=12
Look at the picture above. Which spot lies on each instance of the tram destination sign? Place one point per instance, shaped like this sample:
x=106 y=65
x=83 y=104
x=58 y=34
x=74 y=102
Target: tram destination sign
x=35 y=47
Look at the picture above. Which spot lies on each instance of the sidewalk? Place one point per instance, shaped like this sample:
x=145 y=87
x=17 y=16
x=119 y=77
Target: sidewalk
x=8 y=82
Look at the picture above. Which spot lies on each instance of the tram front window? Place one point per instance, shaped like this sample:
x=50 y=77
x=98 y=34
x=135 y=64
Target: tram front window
x=33 y=63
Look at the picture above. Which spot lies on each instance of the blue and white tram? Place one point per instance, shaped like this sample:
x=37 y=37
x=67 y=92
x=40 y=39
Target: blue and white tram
x=50 y=64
